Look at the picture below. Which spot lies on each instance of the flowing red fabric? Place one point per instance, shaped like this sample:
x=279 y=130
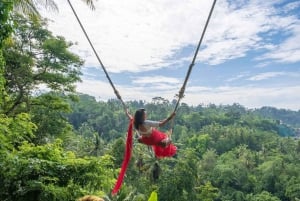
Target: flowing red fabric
x=154 y=139
x=127 y=156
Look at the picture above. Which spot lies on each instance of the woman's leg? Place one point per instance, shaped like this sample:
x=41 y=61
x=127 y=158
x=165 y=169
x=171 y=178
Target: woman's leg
x=165 y=142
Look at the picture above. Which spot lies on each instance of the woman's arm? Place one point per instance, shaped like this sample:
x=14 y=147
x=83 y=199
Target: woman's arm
x=128 y=114
x=163 y=122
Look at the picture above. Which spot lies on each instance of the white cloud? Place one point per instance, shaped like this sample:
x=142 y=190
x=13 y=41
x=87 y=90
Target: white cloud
x=238 y=77
x=268 y=75
x=139 y=35
x=134 y=36
x=103 y=91
x=264 y=76
x=251 y=97
x=289 y=50
x=234 y=32
x=248 y=96
x=291 y=6
x=155 y=79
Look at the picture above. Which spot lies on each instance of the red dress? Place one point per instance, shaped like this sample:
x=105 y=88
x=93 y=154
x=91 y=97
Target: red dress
x=154 y=139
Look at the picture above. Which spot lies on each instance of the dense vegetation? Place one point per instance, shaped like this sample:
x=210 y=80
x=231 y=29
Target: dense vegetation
x=288 y=117
x=60 y=145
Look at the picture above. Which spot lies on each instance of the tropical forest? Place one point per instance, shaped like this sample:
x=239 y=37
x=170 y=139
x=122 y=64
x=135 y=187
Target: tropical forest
x=60 y=145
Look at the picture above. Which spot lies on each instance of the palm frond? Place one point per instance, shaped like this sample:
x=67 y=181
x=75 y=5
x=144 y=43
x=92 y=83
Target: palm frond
x=90 y=3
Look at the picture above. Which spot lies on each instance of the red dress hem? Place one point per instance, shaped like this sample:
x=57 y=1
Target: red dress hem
x=154 y=139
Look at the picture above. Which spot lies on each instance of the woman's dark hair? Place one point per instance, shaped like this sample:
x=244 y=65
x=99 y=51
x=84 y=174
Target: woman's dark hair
x=138 y=118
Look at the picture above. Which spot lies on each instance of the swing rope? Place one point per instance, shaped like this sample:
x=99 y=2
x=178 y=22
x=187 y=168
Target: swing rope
x=182 y=90
x=99 y=60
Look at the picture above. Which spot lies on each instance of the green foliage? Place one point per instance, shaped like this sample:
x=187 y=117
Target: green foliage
x=178 y=183
x=227 y=148
x=35 y=57
x=2 y=82
x=200 y=143
x=288 y=117
x=225 y=158
x=48 y=173
x=14 y=131
x=117 y=151
x=48 y=114
x=5 y=23
x=263 y=196
x=5 y=31
x=207 y=192
x=293 y=186
x=285 y=130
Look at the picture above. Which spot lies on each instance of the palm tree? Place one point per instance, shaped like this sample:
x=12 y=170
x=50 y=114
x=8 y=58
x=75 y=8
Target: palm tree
x=90 y=3
x=29 y=7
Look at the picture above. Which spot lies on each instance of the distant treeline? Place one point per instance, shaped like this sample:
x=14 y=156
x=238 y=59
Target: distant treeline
x=289 y=117
x=89 y=111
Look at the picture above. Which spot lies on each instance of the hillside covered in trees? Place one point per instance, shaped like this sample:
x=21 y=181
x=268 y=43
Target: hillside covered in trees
x=225 y=153
x=61 y=145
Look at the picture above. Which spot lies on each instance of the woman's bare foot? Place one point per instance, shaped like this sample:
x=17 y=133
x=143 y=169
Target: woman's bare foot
x=165 y=142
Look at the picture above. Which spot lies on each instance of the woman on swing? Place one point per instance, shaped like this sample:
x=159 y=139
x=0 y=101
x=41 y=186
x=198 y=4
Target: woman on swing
x=150 y=135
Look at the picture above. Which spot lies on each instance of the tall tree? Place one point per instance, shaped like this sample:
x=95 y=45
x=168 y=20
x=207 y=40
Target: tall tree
x=5 y=30
x=35 y=58
x=29 y=7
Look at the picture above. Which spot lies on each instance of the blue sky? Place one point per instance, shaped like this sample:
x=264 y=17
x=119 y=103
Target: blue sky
x=250 y=54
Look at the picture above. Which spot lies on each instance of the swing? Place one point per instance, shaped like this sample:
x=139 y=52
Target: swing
x=180 y=95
